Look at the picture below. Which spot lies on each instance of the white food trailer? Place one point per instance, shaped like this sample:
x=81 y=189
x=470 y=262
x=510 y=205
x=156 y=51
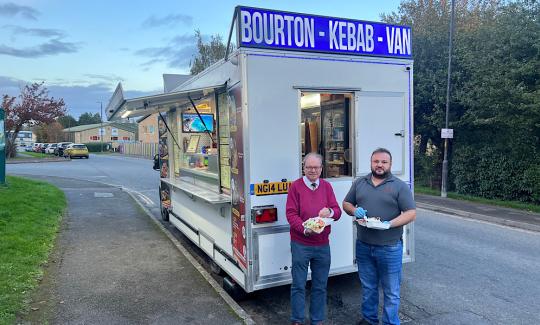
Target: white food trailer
x=233 y=136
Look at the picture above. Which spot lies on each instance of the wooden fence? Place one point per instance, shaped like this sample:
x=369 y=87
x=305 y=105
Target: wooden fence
x=138 y=149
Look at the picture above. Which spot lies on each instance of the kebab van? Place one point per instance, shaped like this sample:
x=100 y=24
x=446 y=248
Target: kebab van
x=232 y=138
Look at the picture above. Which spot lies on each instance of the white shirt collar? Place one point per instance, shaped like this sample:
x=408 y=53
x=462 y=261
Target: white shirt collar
x=308 y=183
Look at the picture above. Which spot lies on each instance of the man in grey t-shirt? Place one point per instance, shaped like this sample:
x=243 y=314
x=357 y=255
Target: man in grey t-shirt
x=379 y=253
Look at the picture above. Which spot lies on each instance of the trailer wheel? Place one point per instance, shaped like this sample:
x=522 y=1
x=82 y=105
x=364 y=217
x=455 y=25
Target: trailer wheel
x=216 y=269
x=233 y=289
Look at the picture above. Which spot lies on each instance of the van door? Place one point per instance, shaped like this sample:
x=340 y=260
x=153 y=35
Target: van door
x=380 y=122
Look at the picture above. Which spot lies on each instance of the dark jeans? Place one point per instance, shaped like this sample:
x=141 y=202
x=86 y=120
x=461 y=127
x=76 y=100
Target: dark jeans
x=318 y=259
x=380 y=264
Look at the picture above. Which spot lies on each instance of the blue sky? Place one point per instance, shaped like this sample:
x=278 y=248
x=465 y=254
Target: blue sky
x=82 y=49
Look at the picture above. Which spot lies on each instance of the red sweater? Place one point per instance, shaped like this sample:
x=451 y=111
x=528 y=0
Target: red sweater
x=304 y=203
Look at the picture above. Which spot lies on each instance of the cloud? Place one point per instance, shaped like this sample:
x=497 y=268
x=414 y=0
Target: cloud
x=78 y=98
x=178 y=53
x=109 y=78
x=51 y=47
x=10 y=9
x=169 y=20
x=39 y=32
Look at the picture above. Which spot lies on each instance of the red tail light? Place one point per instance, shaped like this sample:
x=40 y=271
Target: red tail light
x=264 y=214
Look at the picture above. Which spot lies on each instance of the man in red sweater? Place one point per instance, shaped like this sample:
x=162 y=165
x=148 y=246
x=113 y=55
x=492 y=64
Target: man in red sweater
x=310 y=197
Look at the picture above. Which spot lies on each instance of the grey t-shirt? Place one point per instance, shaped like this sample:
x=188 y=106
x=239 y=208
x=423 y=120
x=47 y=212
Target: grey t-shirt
x=385 y=201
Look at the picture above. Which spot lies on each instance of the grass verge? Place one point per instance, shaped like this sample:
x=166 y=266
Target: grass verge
x=29 y=220
x=506 y=204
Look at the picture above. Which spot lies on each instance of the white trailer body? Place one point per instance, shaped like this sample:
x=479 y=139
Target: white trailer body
x=269 y=108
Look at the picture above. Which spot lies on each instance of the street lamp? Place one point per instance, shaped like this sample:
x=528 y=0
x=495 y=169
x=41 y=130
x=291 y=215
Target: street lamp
x=446 y=136
x=101 y=131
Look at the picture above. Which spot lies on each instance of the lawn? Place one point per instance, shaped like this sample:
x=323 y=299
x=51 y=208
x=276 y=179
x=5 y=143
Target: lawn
x=506 y=204
x=30 y=215
x=35 y=155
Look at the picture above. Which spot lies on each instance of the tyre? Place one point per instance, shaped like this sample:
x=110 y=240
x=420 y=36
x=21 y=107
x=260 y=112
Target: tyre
x=216 y=269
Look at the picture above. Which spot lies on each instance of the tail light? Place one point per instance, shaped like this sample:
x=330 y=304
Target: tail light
x=264 y=214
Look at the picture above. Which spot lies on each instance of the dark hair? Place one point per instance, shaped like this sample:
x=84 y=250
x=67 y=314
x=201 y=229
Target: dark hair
x=381 y=150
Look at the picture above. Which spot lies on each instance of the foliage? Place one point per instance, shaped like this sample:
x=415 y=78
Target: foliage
x=88 y=118
x=27 y=232
x=96 y=146
x=34 y=107
x=49 y=133
x=495 y=95
x=208 y=53
x=67 y=121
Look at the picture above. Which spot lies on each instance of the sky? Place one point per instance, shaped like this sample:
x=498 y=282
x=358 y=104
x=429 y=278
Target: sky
x=82 y=49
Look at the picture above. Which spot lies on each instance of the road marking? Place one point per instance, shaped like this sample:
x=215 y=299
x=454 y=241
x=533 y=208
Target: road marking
x=103 y=194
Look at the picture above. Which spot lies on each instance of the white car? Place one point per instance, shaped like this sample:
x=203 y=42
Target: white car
x=50 y=148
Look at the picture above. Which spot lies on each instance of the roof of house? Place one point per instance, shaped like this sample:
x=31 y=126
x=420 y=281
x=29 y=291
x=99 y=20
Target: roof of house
x=130 y=127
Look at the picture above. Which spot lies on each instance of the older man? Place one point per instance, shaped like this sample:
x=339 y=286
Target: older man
x=379 y=252
x=309 y=197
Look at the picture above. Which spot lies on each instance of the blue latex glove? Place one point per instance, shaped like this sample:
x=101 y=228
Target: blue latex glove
x=360 y=213
x=386 y=224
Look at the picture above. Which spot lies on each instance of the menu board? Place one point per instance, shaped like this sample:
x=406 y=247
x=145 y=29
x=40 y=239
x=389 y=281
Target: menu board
x=236 y=153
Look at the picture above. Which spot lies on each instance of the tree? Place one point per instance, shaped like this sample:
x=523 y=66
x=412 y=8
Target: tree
x=33 y=107
x=49 y=133
x=208 y=53
x=67 y=121
x=495 y=96
x=88 y=118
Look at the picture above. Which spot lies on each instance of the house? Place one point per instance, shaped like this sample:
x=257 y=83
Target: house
x=148 y=128
x=112 y=133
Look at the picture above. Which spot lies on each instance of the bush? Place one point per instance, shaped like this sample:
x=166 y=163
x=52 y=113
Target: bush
x=496 y=174
x=96 y=146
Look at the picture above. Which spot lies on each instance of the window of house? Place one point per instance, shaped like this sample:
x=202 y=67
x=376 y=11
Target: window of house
x=125 y=138
x=114 y=138
x=94 y=138
x=326 y=129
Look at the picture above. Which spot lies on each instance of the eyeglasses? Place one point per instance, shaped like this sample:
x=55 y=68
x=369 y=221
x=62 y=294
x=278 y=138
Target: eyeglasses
x=312 y=167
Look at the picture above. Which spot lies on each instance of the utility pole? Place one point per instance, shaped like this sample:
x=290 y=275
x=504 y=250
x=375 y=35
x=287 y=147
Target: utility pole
x=101 y=131
x=445 y=159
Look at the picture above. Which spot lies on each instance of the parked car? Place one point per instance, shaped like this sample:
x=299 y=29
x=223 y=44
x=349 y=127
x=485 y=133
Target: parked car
x=50 y=148
x=59 y=151
x=44 y=147
x=29 y=148
x=76 y=150
x=37 y=147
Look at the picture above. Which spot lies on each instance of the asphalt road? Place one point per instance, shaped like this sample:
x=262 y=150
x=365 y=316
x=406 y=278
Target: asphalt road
x=466 y=272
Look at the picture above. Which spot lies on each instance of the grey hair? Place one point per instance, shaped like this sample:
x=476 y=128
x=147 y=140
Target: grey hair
x=313 y=155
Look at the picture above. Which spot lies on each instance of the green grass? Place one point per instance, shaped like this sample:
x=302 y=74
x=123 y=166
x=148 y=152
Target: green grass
x=29 y=219
x=35 y=155
x=453 y=195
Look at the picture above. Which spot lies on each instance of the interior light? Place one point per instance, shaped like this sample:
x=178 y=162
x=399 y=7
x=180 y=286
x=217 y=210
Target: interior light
x=126 y=114
x=310 y=100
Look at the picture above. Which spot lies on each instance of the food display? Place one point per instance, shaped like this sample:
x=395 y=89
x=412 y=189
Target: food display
x=316 y=224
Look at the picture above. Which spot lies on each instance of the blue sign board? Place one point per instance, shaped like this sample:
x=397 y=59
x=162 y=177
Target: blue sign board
x=262 y=28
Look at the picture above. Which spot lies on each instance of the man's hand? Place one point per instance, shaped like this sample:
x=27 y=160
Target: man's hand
x=308 y=232
x=324 y=213
x=360 y=212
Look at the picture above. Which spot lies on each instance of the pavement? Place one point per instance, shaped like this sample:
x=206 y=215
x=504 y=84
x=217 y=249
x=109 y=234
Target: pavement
x=489 y=213
x=116 y=264
x=113 y=265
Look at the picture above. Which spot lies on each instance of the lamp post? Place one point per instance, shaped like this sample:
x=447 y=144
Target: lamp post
x=101 y=131
x=445 y=159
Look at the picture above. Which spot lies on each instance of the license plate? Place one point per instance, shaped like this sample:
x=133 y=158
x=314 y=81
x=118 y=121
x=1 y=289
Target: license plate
x=270 y=188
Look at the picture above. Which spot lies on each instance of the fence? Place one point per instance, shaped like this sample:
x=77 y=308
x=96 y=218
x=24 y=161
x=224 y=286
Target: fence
x=138 y=149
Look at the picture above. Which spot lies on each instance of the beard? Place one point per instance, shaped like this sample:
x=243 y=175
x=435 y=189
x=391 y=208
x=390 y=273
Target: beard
x=380 y=176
